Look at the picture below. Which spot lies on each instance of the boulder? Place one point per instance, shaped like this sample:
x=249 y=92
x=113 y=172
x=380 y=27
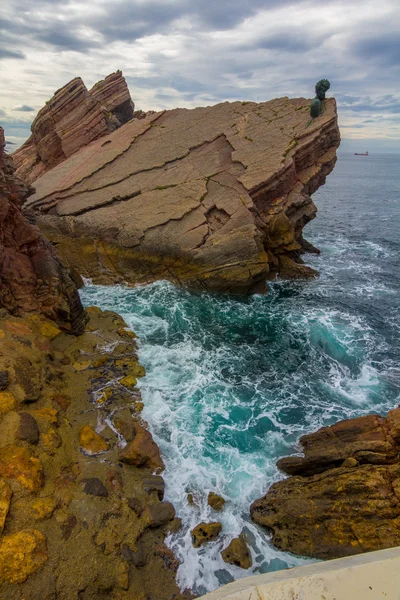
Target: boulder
x=205 y=532
x=159 y=514
x=214 y=198
x=238 y=553
x=32 y=278
x=91 y=442
x=142 y=451
x=344 y=497
x=216 y=501
x=71 y=119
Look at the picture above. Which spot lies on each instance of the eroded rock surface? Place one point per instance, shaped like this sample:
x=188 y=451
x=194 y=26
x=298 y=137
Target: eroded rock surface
x=31 y=276
x=214 y=198
x=344 y=496
x=73 y=118
x=73 y=523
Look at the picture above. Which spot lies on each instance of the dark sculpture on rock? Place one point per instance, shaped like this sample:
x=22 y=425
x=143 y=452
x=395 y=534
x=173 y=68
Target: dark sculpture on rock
x=321 y=88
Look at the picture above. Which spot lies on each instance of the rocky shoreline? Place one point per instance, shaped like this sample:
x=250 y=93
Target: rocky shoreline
x=81 y=511
x=343 y=494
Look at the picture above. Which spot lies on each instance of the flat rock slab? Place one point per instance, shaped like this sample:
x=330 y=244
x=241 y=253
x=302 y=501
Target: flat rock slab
x=214 y=198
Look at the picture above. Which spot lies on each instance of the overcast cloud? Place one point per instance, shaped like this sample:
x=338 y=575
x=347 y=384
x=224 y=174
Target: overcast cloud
x=190 y=53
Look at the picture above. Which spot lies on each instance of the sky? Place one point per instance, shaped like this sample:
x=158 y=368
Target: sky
x=187 y=53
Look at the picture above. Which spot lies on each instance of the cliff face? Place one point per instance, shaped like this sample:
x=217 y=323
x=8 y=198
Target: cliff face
x=213 y=198
x=31 y=276
x=344 y=496
x=73 y=118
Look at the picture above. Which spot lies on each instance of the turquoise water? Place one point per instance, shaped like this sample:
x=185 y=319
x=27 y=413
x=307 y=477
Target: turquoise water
x=232 y=384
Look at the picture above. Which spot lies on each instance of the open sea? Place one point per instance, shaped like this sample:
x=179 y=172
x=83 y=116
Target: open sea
x=232 y=384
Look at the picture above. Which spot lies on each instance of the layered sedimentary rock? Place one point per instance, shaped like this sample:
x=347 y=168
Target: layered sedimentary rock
x=344 y=494
x=73 y=118
x=31 y=276
x=75 y=521
x=112 y=92
x=214 y=198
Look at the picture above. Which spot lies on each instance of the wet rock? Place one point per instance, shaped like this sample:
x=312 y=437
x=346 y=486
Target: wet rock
x=216 y=501
x=154 y=484
x=168 y=557
x=238 y=553
x=157 y=515
x=346 y=497
x=205 y=532
x=136 y=506
x=5 y=499
x=94 y=487
x=91 y=442
x=28 y=429
x=17 y=465
x=175 y=525
x=21 y=555
x=4 y=379
x=142 y=450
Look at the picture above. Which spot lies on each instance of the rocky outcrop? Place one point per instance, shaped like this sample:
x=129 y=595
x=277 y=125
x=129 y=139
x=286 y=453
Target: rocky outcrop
x=113 y=93
x=213 y=198
x=75 y=522
x=31 y=276
x=73 y=118
x=344 y=495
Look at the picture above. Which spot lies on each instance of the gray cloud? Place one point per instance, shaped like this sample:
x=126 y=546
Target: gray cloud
x=187 y=53
x=4 y=53
x=23 y=108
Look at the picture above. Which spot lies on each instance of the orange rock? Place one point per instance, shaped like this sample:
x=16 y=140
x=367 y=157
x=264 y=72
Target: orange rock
x=21 y=554
x=43 y=508
x=16 y=464
x=18 y=328
x=91 y=442
x=142 y=451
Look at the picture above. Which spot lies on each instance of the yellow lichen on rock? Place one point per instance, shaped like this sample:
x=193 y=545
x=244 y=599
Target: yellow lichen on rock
x=21 y=554
x=5 y=499
x=18 y=465
x=91 y=442
x=7 y=402
x=129 y=381
x=82 y=366
x=42 y=508
x=49 y=330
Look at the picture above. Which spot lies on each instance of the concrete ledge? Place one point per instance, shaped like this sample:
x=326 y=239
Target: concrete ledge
x=371 y=576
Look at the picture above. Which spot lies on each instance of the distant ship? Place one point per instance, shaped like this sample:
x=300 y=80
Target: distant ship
x=361 y=153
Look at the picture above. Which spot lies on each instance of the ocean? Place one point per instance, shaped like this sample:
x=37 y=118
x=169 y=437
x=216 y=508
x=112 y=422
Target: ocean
x=232 y=384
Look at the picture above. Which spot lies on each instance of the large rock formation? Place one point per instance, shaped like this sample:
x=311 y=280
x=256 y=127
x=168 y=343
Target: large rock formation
x=31 y=276
x=344 y=496
x=73 y=118
x=214 y=198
